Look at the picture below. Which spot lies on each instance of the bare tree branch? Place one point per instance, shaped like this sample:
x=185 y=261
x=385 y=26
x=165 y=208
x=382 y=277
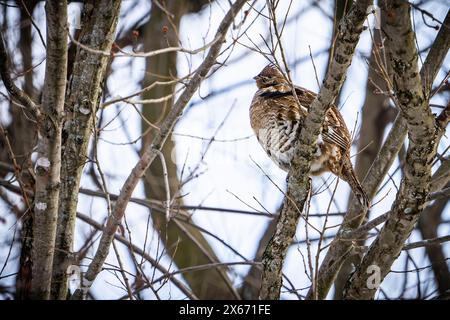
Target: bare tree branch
x=140 y=252
x=362 y=230
x=436 y=55
x=429 y=243
x=17 y=94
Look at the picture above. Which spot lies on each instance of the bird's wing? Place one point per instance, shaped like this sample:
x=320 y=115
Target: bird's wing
x=334 y=129
x=305 y=96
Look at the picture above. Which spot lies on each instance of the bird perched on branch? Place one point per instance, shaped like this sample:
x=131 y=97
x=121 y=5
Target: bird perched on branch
x=277 y=118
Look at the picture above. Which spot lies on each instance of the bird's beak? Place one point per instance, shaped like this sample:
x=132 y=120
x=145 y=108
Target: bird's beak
x=256 y=77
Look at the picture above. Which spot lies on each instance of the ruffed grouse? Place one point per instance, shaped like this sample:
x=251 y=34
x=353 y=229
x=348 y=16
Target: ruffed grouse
x=277 y=118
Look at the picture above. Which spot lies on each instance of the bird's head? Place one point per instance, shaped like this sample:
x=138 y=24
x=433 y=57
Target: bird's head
x=269 y=76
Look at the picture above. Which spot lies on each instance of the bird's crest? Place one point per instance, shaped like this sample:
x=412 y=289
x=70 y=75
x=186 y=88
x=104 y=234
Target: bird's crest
x=270 y=71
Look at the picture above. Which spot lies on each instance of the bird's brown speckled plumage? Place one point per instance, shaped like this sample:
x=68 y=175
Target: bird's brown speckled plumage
x=277 y=118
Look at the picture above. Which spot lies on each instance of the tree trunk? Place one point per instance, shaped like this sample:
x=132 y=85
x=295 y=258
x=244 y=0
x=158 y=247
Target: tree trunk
x=48 y=164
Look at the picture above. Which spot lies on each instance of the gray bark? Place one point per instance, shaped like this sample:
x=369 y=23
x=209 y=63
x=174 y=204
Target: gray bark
x=49 y=150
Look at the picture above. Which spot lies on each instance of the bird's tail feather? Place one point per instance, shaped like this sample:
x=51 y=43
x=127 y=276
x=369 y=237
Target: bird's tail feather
x=358 y=191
